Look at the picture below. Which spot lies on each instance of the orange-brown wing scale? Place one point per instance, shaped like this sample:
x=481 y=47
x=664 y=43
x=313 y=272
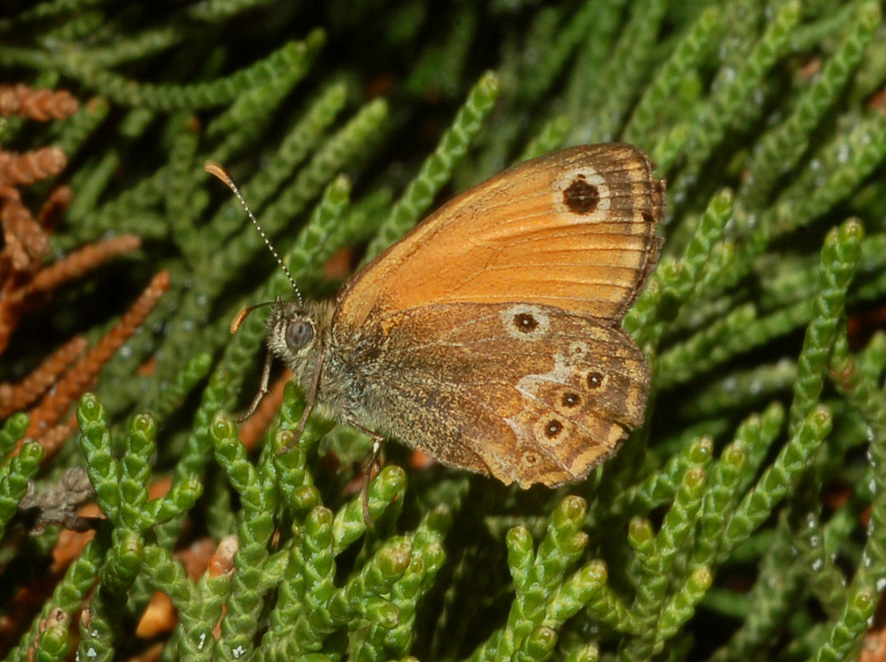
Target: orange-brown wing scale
x=524 y=392
x=574 y=229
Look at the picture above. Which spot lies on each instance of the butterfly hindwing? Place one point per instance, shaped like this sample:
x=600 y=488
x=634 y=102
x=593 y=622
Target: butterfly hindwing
x=524 y=392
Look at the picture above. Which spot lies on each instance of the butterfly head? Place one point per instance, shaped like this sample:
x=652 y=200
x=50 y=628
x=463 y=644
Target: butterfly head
x=298 y=333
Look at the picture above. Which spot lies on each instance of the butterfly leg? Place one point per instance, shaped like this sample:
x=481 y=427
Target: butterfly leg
x=373 y=464
x=263 y=390
x=310 y=401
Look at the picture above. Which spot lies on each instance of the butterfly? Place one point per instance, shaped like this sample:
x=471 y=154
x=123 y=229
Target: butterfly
x=489 y=337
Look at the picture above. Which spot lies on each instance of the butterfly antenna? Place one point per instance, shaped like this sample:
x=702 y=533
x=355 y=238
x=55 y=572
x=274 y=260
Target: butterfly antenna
x=219 y=171
x=243 y=314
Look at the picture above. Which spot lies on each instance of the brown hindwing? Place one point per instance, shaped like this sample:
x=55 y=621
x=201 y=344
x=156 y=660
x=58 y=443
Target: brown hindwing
x=524 y=392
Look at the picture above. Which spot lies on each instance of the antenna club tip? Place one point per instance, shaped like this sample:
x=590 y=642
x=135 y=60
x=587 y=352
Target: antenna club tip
x=238 y=319
x=218 y=170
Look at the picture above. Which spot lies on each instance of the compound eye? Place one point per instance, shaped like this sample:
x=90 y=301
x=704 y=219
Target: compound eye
x=298 y=334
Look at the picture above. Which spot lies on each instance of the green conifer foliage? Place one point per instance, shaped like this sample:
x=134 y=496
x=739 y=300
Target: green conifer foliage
x=745 y=520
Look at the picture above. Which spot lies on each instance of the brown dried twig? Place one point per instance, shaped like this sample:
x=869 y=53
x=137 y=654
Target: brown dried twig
x=30 y=167
x=16 y=397
x=75 y=265
x=25 y=279
x=26 y=238
x=80 y=377
x=56 y=436
x=44 y=281
x=37 y=104
x=26 y=242
x=58 y=505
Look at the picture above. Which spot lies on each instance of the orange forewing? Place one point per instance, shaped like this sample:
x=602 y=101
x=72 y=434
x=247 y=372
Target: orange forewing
x=518 y=237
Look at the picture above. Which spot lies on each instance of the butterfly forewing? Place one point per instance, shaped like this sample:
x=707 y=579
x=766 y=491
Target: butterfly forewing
x=574 y=229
